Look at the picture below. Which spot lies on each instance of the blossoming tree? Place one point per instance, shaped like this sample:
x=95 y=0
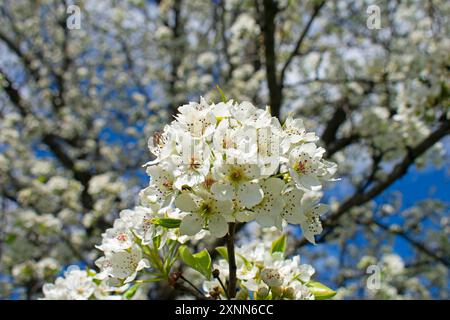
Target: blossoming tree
x=216 y=165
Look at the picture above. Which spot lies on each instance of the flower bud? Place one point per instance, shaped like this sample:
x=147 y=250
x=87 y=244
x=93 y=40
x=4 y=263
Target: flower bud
x=242 y=295
x=277 y=292
x=289 y=293
x=262 y=292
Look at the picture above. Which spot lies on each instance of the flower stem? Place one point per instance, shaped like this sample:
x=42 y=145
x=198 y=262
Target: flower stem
x=192 y=285
x=231 y=261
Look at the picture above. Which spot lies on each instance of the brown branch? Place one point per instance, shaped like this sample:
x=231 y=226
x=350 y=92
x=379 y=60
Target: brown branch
x=329 y=134
x=51 y=141
x=300 y=40
x=268 y=28
x=231 y=260
x=418 y=245
x=225 y=40
x=176 y=51
x=25 y=59
x=340 y=144
x=190 y=290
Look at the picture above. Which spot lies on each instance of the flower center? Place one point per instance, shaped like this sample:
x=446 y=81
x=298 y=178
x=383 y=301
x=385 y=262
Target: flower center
x=168 y=184
x=122 y=237
x=194 y=164
x=206 y=209
x=80 y=290
x=303 y=166
x=209 y=182
x=147 y=224
x=236 y=175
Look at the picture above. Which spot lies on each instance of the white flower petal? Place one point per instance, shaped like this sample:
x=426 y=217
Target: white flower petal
x=245 y=216
x=222 y=191
x=217 y=226
x=186 y=202
x=265 y=220
x=308 y=182
x=250 y=194
x=191 y=224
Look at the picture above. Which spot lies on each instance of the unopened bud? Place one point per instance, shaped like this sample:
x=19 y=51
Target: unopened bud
x=277 y=292
x=215 y=273
x=262 y=292
x=242 y=295
x=288 y=293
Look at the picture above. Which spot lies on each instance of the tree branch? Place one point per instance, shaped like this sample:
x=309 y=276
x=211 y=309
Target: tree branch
x=268 y=28
x=300 y=40
x=419 y=246
x=397 y=172
x=231 y=261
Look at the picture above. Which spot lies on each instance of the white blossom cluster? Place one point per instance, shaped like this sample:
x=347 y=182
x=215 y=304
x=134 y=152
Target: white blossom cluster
x=232 y=162
x=263 y=274
x=215 y=164
x=80 y=284
x=394 y=280
x=123 y=244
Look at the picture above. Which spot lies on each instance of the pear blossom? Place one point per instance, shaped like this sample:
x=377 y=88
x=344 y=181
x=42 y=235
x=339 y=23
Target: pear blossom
x=294 y=133
x=79 y=284
x=268 y=212
x=76 y=285
x=307 y=168
x=304 y=209
x=236 y=181
x=309 y=217
x=217 y=164
x=224 y=162
x=204 y=210
x=192 y=162
x=196 y=119
x=161 y=188
x=123 y=265
x=120 y=236
x=265 y=274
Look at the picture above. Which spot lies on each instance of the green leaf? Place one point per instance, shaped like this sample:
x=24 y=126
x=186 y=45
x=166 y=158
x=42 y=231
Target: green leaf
x=200 y=261
x=42 y=179
x=246 y=262
x=223 y=252
x=204 y=262
x=167 y=222
x=187 y=256
x=320 y=291
x=156 y=243
x=131 y=292
x=279 y=245
x=222 y=94
x=10 y=238
x=90 y=272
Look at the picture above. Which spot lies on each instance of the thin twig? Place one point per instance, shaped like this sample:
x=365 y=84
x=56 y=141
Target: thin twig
x=231 y=261
x=192 y=285
x=216 y=275
x=189 y=290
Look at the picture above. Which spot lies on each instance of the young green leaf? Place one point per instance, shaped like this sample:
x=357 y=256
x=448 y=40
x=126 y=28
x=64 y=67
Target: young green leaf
x=203 y=260
x=200 y=262
x=223 y=252
x=320 y=291
x=131 y=292
x=279 y=245
x=222 y=94
x=167 y=222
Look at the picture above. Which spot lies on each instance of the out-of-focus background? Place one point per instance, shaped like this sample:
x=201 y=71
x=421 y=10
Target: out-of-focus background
x=84 y=84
